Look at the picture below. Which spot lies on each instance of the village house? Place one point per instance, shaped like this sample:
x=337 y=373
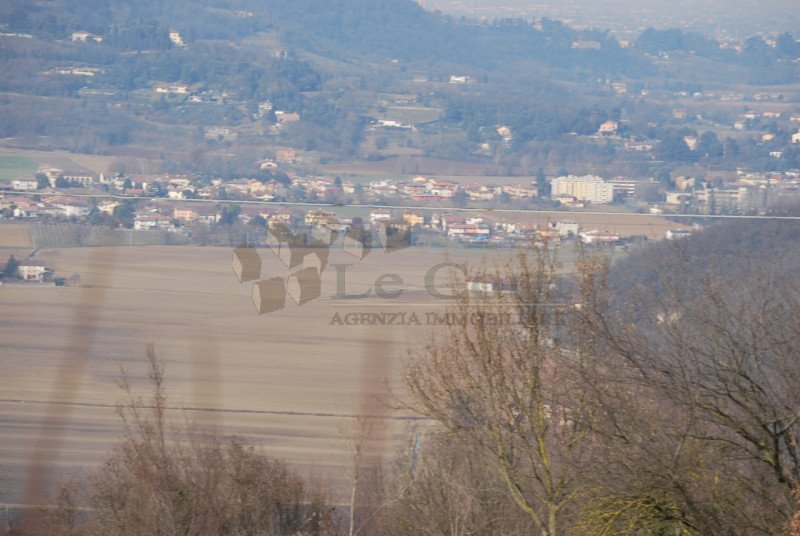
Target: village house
x=80 y=36
x=380 y=216
x=480 y=192
x=85 y=37
x=443 y=188
x=468 y=231
x=238 y=187
x=267 y=164
x=217 y=133
x=322 y=186
x=74 y=209
x=461 y=79
x=320 y=217
x=107 y=207
x=413 y=218
x=179 y=182
x=24 y=184
x=285 y=118
x=76 y=177
x=451 y=219
x=608 y=128
x=596 y=236
x=259 y=190
x=507 y=227
x=285 y=155
x=674 y=234
x=283 y=217
x=150 y=221
x=32 y=270
x=26 y=209
x=505 y=133
x=521 y=191
x=173 y=89
x=565 y=228
x=264 y=108
x=675 y=199
x=415 y=188
x=482 y=283
x=382 y=190
x=684 y=183
x=176 y=39
x=208 y=192
x=639 y=146
x=185 y=214
x=275 y=189
x=178 y=193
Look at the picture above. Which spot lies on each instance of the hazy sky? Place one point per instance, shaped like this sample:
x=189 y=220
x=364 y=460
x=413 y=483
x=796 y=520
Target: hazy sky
x=630 y=17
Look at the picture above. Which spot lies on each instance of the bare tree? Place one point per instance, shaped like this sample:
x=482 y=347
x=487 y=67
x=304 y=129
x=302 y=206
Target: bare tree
x=446 y=487
x=166 y=479
x=717 y=345
x=501 y=381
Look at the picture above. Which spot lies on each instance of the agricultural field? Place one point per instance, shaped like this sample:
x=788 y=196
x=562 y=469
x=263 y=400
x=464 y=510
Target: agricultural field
x=413 y=115
x=12 y=167
x=288 y=381
x=14 y=236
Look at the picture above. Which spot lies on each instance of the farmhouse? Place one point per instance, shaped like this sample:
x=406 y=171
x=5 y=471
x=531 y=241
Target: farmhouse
x=32 y=270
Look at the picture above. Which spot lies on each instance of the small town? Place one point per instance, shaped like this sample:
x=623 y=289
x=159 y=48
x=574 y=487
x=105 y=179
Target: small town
x=179 y=204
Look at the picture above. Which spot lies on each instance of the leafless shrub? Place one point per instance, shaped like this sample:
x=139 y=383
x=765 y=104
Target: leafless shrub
x=166 y=480
x=507 y=390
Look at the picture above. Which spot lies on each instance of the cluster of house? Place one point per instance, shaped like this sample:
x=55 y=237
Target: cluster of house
x=175 y=216
x=747 y=192
x=426 y=189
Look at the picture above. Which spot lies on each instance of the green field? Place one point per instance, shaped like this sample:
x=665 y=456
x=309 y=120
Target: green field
x=12 y=167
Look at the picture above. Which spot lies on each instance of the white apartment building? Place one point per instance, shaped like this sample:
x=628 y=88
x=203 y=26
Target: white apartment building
x=588 y=188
